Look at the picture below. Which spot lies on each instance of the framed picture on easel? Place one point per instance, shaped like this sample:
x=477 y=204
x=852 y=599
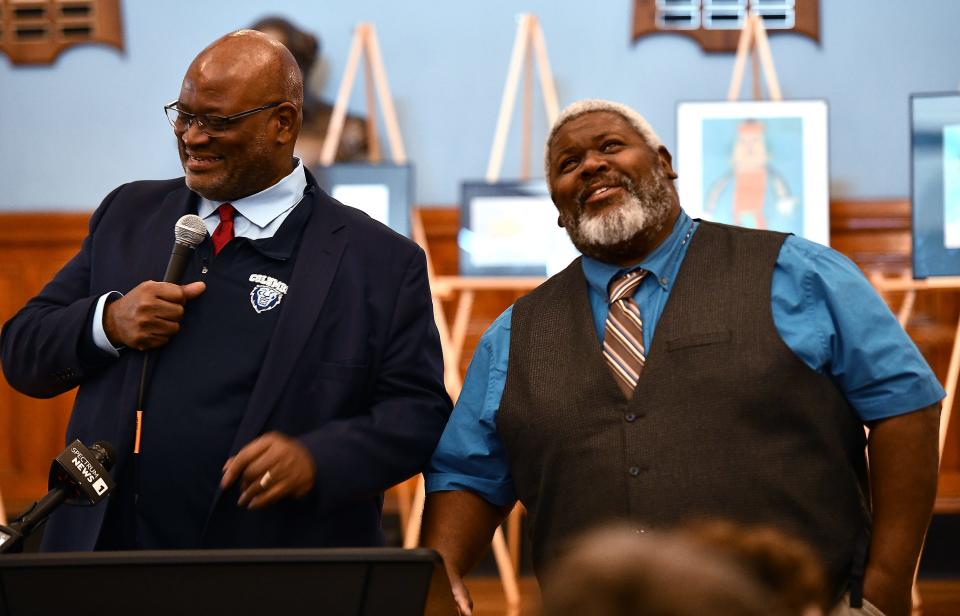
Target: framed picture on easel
x=757 y=164
x=384 y=191
x=935 y=183
x=509 y=228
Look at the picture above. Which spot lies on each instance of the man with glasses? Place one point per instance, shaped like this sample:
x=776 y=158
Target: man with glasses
x=295 y=374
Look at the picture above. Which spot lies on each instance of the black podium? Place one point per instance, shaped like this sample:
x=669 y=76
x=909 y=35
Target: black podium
x=328 y=582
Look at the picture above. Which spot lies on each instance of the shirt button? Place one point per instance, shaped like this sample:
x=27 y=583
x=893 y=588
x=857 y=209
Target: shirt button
x=631 y=417
x=634 y=471
x=664 y=281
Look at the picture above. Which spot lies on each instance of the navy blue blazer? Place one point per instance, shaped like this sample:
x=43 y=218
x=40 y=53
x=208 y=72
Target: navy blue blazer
x=353 y=370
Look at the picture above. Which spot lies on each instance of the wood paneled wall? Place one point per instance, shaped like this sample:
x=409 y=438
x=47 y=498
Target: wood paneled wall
x=875 y=234
x=32 y=248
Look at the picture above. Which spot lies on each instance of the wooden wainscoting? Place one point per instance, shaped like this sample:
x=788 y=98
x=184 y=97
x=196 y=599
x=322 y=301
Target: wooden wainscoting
x=33 y=246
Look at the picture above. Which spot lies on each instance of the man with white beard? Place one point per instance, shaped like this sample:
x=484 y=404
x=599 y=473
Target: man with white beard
x=684 y=370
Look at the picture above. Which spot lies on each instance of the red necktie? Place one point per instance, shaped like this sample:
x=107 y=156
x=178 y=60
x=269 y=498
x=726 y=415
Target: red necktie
x=224 y=231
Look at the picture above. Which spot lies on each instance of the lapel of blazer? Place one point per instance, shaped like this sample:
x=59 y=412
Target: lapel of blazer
x=160 y=225
x=156 y=234
x=318 y=257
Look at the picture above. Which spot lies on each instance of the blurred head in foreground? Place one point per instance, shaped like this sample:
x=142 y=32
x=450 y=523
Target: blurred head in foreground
x=783 y=564
x=617 y=572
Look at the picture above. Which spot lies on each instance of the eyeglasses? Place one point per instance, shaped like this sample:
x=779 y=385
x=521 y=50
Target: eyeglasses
x=211 y=125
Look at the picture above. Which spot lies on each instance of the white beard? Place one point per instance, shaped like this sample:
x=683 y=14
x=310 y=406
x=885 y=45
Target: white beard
x=643 y=212
x=615 y=224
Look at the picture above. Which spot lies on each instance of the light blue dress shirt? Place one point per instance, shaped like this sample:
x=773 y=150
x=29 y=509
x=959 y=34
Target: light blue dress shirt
x=257 y=216
x=823 y=308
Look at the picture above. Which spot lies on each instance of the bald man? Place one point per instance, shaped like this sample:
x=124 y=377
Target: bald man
x=295 y=373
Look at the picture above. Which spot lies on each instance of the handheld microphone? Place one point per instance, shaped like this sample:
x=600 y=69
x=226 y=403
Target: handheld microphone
x=78 y=476
x=188 y=234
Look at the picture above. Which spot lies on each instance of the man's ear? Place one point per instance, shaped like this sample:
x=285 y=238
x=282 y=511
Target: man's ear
x=559 y=217
x=666 y=161
x=288 y=123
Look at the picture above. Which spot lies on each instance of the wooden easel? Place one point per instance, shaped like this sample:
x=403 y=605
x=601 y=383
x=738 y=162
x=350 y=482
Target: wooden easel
x=528 y=45
x=365 y=40
x=753 y=41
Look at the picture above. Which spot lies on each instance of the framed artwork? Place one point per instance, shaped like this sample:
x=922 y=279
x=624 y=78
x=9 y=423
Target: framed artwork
x=384 y=191
x=509 y=228
x=756 y=164
x=935 y=183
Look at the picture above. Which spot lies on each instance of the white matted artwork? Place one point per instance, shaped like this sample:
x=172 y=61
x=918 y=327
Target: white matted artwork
x=756 y=164
x=509 y=228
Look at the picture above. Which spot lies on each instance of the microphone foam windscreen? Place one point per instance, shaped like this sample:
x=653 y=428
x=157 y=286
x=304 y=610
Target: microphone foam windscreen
x=105 y=453
x=190 y=230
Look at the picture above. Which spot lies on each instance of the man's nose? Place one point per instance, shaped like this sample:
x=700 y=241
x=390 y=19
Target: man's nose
x=193 y=135
x=592 y=164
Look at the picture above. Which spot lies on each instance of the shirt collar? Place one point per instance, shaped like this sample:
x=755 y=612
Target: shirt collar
x=261 y=208
x=663 y=263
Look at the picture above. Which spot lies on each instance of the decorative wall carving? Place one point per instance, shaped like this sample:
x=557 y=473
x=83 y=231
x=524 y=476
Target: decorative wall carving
x=716 y=24
x=37 y=31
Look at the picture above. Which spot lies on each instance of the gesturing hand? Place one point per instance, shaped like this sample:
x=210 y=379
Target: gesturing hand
x=149 y=315
x=271 y=467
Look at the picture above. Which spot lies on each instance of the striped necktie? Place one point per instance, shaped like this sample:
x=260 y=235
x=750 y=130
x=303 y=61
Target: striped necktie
x=623 y=334
x=224 y=231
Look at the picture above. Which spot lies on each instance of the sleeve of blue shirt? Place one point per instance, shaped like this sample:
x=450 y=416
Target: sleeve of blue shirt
x=831 y=317
x=470 y=455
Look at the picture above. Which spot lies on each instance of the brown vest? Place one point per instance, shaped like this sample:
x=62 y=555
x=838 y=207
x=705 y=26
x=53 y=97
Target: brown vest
x=726 y=420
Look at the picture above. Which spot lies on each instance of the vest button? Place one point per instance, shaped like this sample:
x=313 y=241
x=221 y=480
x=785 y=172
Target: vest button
x=631 y=417
x=634 y=471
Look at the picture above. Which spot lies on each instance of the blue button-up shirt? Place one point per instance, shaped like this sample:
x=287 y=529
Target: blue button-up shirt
x=823 y=308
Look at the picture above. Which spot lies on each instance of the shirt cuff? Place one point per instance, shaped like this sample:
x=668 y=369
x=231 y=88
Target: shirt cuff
x=923 y=393
x=99 y=335
x=494 y=492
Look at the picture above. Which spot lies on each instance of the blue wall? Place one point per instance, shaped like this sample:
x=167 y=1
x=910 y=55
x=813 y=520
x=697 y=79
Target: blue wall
x=71 y=132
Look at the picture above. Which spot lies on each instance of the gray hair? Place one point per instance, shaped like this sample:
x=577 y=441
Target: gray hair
x=590 y=105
